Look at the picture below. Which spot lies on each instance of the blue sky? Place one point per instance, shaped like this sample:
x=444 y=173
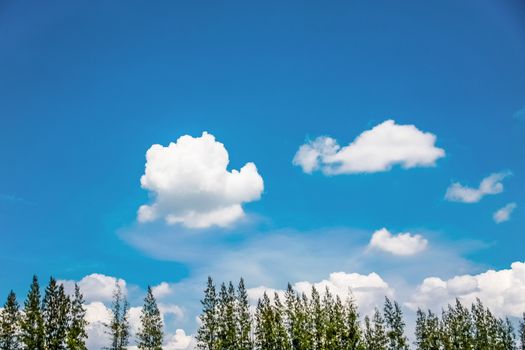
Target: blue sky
x=87 y=87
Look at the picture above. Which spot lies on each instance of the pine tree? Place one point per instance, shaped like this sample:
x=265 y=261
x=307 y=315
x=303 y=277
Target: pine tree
x=457 y=328
x=76 y=336
x=395 y=326
x=150 y=334
x=32 y=334
x=483 y=322
x=521 y=332
x=226 y=319
x=118 y=328
x=207 y=333
x=375 y=336
x=351 y=338
x=265 y=338
x=427 y=331
x=55 y=312
x=508 y=341
x=317 y=319
x=281 y=336
x=244 y=319
x=9 y=324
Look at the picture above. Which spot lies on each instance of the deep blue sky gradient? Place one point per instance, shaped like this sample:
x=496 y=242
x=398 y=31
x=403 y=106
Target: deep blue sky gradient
x=86 y=87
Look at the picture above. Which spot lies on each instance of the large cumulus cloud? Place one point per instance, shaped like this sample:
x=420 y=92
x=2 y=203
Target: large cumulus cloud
x=375 y=150
x=191 y=185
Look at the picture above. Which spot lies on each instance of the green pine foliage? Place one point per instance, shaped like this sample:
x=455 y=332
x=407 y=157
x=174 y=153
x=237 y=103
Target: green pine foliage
x=395 y=325
x=227 y=323
x=10 y=324
x=375 y=335
x=32 y=333
x=76 y=335
x=118 y=328
x=427 y=331
x=243 y=318
x=150 y=334
x=289 y=321
x=55 y=312
x=207 y=338
x=521 y=333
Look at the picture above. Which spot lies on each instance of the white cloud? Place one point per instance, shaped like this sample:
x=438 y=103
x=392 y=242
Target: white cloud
x=489 y=185
x=191 y=185
x=503 y=291
x=96 y=287
x=375 y=150
x=161 y=290
x=504 y=213
x=367 y=290
x=179 y=341
x=97 y=315
x=400 y=244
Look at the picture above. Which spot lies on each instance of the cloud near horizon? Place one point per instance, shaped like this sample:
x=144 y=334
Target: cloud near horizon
x=375 y=150
x=402 y=244
x=503 y=291
x=490 y=185
x=191 y=185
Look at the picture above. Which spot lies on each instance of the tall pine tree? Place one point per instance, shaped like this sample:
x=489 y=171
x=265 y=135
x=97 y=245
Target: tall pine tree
x=244 y=319
x=32 y=333
x=227 y=325
x=118 y=328
x=76 y=336
x=55 y=312
x=9 y=324
x=375 y=336
x=150 y=334
x=395 y=325
x=352 y=330
x=207 y=332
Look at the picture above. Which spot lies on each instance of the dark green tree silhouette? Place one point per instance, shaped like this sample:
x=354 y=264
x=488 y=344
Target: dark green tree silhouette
x=32 y=334
x=395 y=326
x=244 y=319
x=227 y=323
x=207 y=333
x=118 y=328
x=9 y=324
x=55 y=312
x=76 y=335
x=150 y=334
x=375 y=336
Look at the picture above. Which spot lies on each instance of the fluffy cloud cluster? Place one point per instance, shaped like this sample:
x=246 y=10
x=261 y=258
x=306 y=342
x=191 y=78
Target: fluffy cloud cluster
x=504 y=213
x=400 y=244
x=96 y=287
x=489 y=185
x=191 y=184
x=367 y=290
x=98 y=292
x=375 y=150
x=502 y=291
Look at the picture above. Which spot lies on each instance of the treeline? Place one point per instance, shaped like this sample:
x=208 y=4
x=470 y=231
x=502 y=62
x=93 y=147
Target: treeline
x=322 y=321
x=58 y=321
x=287 y=321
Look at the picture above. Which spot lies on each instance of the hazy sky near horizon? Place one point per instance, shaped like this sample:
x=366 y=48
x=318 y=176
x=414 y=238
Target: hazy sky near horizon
x=376 y=137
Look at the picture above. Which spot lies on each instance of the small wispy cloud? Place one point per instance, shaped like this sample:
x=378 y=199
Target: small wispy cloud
x=504 y=213
x=12 y=198
x=490 y=185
